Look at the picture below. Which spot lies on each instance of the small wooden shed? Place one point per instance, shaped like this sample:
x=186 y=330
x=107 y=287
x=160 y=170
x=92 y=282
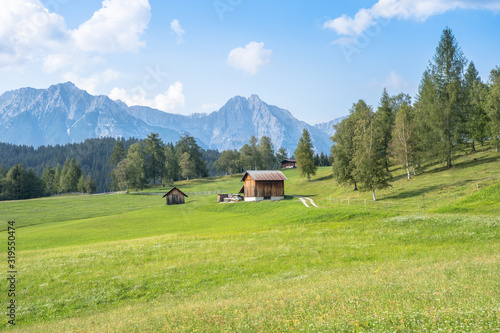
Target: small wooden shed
x=288 y=164
x=264 y=185
x=175 y=196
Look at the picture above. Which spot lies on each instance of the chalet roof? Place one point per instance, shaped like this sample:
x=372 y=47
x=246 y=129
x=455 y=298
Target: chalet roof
x=175 y=188
x=288 y=160
x=266 y=175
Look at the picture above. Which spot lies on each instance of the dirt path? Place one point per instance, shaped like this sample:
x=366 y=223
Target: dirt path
x=306 y=201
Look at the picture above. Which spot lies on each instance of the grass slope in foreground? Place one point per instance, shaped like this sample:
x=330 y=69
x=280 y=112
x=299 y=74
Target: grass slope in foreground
x=129 y=263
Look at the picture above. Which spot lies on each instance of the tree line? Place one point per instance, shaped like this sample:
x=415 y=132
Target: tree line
x=152 y=161
x=260 y=154
x=454 y=109
x=18 y=183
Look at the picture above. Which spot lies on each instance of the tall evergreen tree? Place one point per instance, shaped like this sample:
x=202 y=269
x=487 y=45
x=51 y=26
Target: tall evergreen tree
x=49 y=182
x=493 y=107
x=304 y=154
x=447 y=118
x=70 y=175
x=368 y=160
x=475 y=107
x=266 y=153
x=117 y=154
x=385 y=116
x=343 y=147
x=172 y=168
x=154 y=156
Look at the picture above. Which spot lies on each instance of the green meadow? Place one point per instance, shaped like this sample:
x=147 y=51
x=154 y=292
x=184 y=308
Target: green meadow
x=129 y=263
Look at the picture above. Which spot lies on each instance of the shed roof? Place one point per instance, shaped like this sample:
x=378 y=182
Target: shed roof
x=175 y=188
x=266 y=175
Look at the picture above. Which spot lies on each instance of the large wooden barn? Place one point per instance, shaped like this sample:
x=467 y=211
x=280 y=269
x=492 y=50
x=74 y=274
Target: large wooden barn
x=175 y=196
x=264 y=185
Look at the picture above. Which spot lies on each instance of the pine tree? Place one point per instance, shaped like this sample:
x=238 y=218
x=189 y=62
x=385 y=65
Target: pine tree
x=368 y=160
x=475 y=113
x=172 y=168
x=117 y=154
x=343 y=148
x=154 y=156
x=49 y=182
x=385 y=116
x=266 y=153
x=447 y=118
x=493 y=107
x=304 y=155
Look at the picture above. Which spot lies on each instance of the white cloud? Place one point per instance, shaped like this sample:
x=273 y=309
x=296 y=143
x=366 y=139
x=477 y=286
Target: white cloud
x=177 y=29
x=116 y=27
x=29 y=33
x=28 y=30
x=394 y=82
x=402 y=9
x=171 y=100
x=92 y=82
x=250 y=59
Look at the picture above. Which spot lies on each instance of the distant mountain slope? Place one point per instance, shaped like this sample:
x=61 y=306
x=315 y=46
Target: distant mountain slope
x=328 y=127
x=65 y=114
x=233 y=125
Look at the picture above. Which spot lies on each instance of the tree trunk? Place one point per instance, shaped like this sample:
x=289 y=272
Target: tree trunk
x=414 y=172
x=448 y=161
x=355 y=186
x=406 y=161
x=386 y=165
x=374 y=197
x=473 y=147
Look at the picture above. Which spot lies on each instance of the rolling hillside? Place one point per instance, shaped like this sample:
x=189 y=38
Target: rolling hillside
x=129 y=263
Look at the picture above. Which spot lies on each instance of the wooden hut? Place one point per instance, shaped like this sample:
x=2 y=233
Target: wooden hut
x=175 y=196
x=288 y=164
x=264 y=185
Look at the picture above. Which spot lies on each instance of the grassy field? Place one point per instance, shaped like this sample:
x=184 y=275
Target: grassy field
x=112 y=263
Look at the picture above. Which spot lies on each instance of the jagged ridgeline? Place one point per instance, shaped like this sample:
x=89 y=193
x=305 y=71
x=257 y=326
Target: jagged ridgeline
x=64 y=114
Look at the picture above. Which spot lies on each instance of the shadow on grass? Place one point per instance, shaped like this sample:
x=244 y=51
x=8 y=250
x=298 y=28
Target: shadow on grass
x=324 y=178
x=412 y=193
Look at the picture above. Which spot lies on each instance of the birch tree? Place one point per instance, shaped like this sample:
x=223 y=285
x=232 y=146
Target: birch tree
x=403 y=142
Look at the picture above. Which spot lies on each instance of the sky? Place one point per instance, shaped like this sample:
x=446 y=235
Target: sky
x=314 y=58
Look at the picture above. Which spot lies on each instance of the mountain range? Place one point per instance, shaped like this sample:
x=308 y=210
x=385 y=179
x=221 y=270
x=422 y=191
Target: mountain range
x=65 y=114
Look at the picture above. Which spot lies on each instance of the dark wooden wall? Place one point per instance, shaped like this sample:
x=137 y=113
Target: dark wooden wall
x=175 y=198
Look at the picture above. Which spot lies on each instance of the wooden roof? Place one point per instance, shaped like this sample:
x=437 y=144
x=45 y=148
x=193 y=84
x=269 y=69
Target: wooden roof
x=288 y=160
x=267 y=175
x=175 y=188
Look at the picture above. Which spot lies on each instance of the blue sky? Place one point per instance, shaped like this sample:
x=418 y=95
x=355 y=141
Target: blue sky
x=314 y=58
